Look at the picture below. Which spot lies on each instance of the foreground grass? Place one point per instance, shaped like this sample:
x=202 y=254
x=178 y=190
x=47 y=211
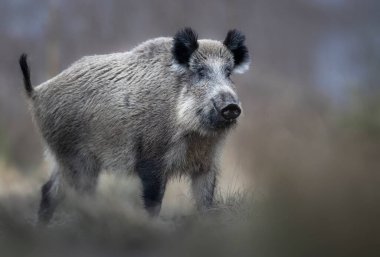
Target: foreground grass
x=99 y=227
x=237 y=226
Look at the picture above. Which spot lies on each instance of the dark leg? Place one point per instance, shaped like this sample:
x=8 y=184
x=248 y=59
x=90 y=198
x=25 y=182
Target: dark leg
x=153 y=184
x=51 y=196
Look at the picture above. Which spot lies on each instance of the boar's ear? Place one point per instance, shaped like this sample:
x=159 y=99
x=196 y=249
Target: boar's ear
x=185 y=43
x=235 y=43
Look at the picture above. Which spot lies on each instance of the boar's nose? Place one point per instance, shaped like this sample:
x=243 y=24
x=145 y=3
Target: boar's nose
x=231 y=111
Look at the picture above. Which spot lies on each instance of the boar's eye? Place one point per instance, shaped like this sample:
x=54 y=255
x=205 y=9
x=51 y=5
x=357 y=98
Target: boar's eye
x=202 y=72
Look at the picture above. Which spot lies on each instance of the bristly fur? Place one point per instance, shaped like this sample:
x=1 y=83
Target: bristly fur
x=185 y=43
x=26 y=74
x=235 y=43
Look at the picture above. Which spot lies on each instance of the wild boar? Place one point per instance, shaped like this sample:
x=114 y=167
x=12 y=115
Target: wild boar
x=160 y=110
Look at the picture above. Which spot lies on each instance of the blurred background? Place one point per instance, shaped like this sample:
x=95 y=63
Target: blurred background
x=307 y=150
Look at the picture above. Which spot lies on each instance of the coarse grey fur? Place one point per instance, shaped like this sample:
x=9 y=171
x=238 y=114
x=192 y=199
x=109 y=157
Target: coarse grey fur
x=138 y=112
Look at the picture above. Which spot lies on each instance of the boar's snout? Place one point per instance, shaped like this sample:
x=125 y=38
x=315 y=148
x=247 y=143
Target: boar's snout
x=227 y=109
x=231 y=111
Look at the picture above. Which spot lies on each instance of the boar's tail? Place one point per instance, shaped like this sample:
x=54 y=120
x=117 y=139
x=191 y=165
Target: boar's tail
x=26 y=75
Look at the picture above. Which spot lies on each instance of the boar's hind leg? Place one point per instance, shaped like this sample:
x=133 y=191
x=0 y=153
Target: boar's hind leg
x=79 y=172
x=51 y=195
x=153 y=183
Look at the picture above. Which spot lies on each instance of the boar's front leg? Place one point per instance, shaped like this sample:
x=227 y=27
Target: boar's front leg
x=153 y=185
x=203 y=187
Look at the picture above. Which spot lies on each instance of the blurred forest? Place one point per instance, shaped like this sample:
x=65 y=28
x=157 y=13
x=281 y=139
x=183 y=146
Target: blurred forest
x=308 y=145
